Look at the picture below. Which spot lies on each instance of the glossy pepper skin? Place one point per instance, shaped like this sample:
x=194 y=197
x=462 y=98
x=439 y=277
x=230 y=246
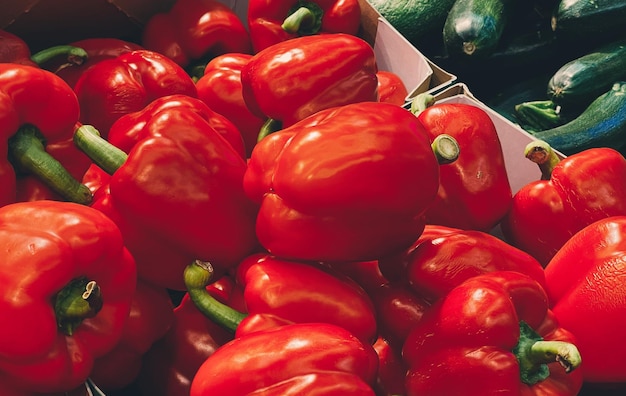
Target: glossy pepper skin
x=391 y=88
x=125 y=84
x=296 y=78
x=573 y=193
x=470 y=341
x=180 y=176
x=63 y=254
x=474 y=191
x=586 y=289
x=274 y=21
x=38 y=113
x=287 y=357
x=321 y=201
x=220 y=88
x=196 y=30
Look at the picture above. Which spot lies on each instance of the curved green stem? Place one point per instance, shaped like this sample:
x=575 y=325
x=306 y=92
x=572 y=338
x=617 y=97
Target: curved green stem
x=197 y=277
x=421 y=102
x=27 y=154
x=542 y=154
x=305 y=18
x=269 y=126
x=446 y=149
x=79 y=300
x=74 y=55
x=102 y=153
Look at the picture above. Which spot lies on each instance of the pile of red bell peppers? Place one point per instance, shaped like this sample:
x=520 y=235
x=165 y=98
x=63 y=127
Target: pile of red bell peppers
x=252 y=207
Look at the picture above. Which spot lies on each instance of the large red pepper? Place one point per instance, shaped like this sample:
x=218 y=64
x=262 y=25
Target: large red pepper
x=573 y=193
x=585 y=283
x=114 y=87
x=67 y=286
x=492 y=334
x=196 y=30
x=220 y=88
x=474 y=191
x=150 y=318
x=38 y=113
x=302 y=358
x=296 y=78
x=274 y=21
x=15 y=50
x=177 y=196
x=346 y=184
x=391 y=88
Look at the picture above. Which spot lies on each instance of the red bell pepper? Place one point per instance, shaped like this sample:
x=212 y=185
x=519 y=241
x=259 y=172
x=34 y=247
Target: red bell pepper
x=492 y=334
x=547 y=212
x=166 y=192
x=133 y=127
x=274 y=21
x=15 y=50
x=127 y=83
x=65 y=268
x=283 y=291
x=151 y=316
x=296 y=78
x=291 y=359
x=97 y=49
x=391 y=88
x=196 y=30
x=474 y=191
x=220 y=88
x=391 y=370
x=346 y=184
x=585 y=283
x=38 y=112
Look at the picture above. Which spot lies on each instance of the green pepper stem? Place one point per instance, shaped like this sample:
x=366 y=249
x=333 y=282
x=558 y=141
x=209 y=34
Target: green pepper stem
x=542 y=154
x=79 y=300
x=269 y=126
x=305 y=18
x=446 y=149
x=566 y=354
x=102 y=153
x=27 y=154
x=421 y=102
x=74 y=55
x=197 y=277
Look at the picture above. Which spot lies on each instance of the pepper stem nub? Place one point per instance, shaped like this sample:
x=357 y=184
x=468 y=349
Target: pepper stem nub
x=102 y=153
x=305 y=19
x=79 y=300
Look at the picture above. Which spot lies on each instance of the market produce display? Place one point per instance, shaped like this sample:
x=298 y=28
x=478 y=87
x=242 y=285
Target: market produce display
x=265 y=198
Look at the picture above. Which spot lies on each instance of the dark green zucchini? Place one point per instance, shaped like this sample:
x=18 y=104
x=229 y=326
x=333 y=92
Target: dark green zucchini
x=474 y=27
x=578 y=82
x=602 y=124
x=586 y=19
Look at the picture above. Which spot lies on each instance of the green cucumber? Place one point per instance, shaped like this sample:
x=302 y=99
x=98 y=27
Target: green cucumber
x=474 y=27
x=588 y=19
x=578 y=82
x=602 y=124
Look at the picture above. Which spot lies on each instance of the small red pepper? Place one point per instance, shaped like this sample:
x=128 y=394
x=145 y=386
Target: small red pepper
x=474 y=191
x=38 y=114
x=196 y=30
x=391 y=88
x=65 y=268
x=345 y=184
x=296 y=78
x=15 y=50
x=585 y=283
x=296 y=358
x=274 y=21
x=220 y=88
x=114 y=87
x=572 y=193
x=492 y=334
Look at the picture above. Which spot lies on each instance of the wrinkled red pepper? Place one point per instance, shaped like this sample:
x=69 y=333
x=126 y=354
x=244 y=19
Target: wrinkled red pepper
x=346 y=184
x=220 y=88
x=38 y=113
x=573 y=193
x=15 y=50
x=180 y=177
x=66 y=270
x=585 y=283
x=196 y=30
x=274 y=21
x=474 y=191
x=391 y=88
x=151 y=316
x=114 y=87
x=307 y=358
x=492 y=334
x=296 y=78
